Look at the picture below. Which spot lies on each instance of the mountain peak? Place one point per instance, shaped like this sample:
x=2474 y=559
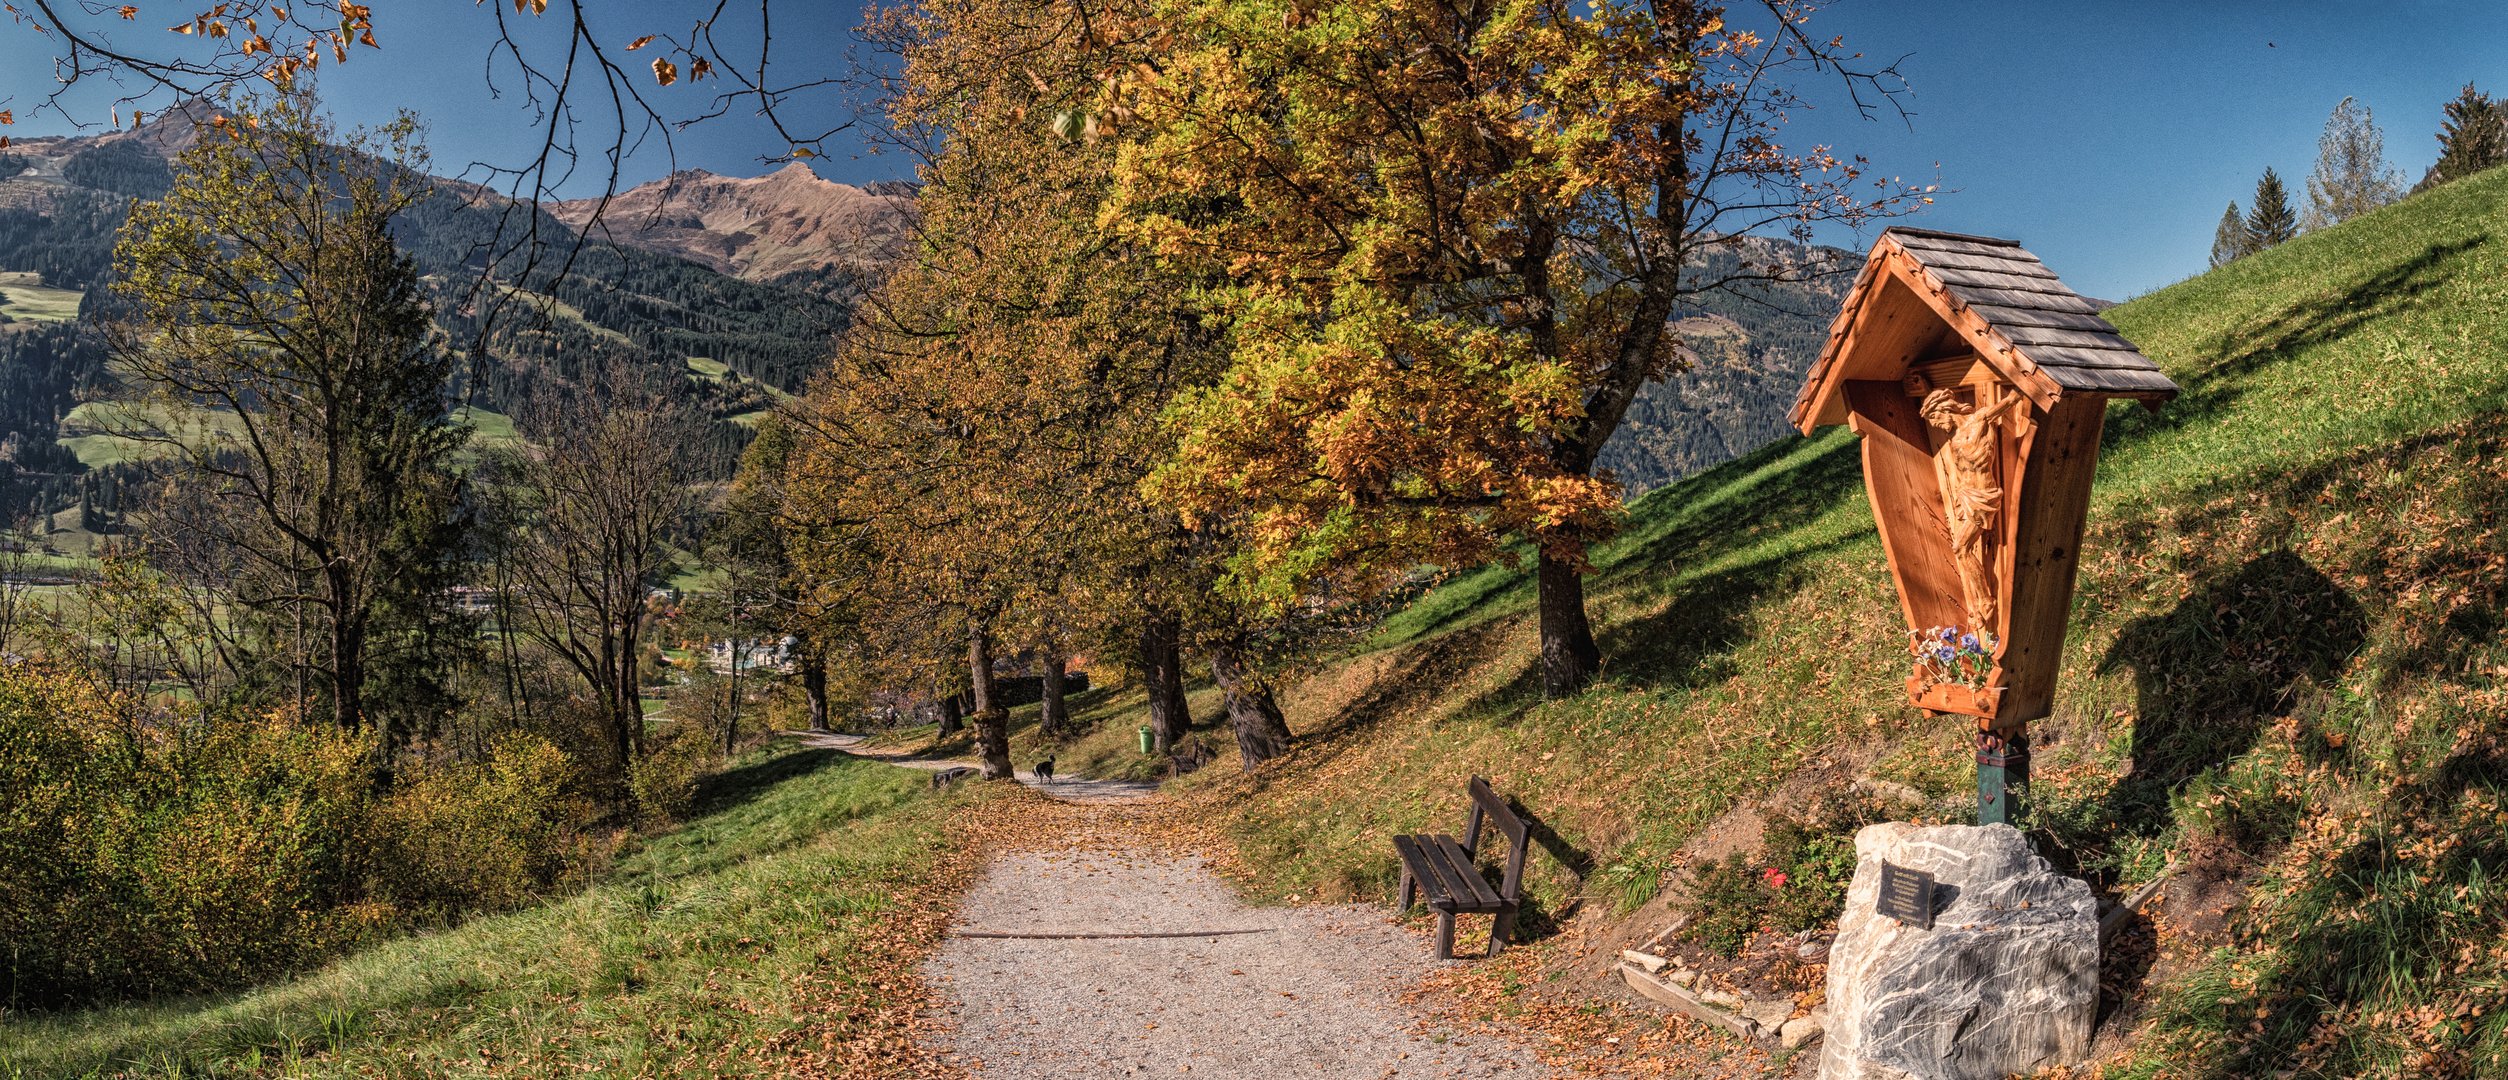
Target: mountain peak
x=787 y=221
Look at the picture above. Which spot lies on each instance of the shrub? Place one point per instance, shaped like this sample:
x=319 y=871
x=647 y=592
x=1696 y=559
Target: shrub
x=478 y=836
x=143 y=862
x=664 y=780
x=1727 y=904
x=58 y=758
x=1797 y=883
x=232 y=864
x=1817 y=863
x=145 y=856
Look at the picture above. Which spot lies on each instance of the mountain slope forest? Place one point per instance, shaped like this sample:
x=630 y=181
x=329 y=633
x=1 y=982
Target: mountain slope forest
x=62 y=201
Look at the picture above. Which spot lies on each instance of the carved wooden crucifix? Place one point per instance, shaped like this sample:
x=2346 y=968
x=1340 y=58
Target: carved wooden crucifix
x=1979 y=385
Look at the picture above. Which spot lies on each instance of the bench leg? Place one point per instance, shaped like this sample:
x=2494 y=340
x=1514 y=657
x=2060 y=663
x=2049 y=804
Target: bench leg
x=1445 y=935
x=1498 y=931
x=1410 y=888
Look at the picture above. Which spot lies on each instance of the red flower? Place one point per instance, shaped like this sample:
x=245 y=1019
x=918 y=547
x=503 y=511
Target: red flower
x=1773 y=877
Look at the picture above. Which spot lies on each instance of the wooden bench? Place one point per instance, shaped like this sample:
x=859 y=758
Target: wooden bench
x=1443 y=871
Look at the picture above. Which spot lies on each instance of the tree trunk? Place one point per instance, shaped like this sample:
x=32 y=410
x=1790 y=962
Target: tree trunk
x=1262 y=733
x=623 y=713
x=952 y=716
x=1162 y=672
x=348 y=650
x=1052 y=715
x=731 y=717
x=992 y=722
x=348 y=677
x=814 y=687
x=631 y=684
x=1569 y=657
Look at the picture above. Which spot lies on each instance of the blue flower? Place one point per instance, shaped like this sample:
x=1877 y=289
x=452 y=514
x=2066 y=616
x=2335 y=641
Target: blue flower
x=1968 y=642
x=1946 y=654
x=1946 y=632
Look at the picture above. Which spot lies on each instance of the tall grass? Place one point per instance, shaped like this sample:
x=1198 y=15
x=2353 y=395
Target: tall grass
x=709 y=944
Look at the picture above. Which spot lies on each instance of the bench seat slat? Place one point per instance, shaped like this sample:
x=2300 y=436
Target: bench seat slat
x=1474 y=893
x=1426 y=869
x=1447 y=879
x=1453 y=880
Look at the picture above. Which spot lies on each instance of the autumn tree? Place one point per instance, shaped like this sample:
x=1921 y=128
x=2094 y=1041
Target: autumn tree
x=291 y=374
x=883 y=484
x=1017 y=370
x=1456 y=237
x=586 y=516
x=2229 y=239
x=2351 y=176
x=750 y=541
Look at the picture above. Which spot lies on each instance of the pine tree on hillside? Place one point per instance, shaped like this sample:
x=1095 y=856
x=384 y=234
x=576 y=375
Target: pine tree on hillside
x=2229 y=242
x=2351 y=177
x=2472 y=136
x=2272 y=221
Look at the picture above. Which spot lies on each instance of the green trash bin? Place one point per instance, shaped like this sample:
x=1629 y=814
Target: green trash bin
x=1149 y=742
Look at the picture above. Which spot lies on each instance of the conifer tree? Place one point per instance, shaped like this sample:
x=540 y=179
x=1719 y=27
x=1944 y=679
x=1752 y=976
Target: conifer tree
x=2352 y=176
x=2272 y=221
x=2229 y=241
x=2472 y=136
x=324 y=512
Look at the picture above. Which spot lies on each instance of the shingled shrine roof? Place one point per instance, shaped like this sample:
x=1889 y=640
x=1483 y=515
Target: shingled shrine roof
x=1925 y=294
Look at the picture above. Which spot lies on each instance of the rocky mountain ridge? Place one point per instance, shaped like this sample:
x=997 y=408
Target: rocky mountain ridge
x=760 y=228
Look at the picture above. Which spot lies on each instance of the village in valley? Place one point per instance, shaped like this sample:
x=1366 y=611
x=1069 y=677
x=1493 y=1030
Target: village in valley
x=1273 y=538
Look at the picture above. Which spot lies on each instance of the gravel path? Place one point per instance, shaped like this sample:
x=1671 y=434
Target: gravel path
x=1309 y=992
x=1070 y=790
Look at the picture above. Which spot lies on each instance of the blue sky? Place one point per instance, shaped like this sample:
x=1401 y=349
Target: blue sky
x=2105 y=135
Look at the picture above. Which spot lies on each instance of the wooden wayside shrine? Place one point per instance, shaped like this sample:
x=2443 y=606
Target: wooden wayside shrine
x=1978 y=384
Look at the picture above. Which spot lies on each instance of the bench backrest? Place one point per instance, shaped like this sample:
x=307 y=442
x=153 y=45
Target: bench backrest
x=1488 y=807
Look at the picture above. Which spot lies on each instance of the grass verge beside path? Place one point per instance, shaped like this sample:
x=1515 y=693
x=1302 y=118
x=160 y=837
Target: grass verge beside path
x=777 y=933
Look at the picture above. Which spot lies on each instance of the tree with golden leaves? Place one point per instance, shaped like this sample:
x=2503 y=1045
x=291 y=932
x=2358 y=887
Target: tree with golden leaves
x=1004 y=396
x=1457 y=235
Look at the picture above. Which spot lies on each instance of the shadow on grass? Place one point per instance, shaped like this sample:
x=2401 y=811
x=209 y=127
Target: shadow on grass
x=733 y=787
x=1751 y=509
x=1691 y=644
x=2252 y=346
x=2211 y=672
x=1534 y=922
x=1691 y=521
x=1420 y=675
x=2372 y=930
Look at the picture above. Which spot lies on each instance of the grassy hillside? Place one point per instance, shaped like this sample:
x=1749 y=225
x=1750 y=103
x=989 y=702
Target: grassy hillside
x=739 y=932
x=2284 y=671
x=23 y=295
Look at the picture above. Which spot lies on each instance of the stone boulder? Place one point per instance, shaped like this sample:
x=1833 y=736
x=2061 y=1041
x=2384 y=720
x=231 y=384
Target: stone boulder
x=2006 y=982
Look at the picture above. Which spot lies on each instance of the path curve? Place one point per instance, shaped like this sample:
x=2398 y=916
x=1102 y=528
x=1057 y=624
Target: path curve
x=1071 y=790
x=1085 y=964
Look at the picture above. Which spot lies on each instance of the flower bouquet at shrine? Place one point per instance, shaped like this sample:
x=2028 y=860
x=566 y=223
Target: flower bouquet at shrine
x=1954 y=670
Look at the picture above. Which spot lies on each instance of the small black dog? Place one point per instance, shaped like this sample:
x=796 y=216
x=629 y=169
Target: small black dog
x=1045 y=770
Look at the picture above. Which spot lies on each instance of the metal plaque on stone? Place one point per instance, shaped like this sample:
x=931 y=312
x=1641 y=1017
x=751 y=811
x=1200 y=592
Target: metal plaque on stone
x=1905 y=895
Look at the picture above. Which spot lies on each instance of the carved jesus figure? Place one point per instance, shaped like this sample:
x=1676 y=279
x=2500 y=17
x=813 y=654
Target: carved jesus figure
x=1972 y=495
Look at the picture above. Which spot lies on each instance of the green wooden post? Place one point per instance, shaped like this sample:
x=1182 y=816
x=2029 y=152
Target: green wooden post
x=2002 y=777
